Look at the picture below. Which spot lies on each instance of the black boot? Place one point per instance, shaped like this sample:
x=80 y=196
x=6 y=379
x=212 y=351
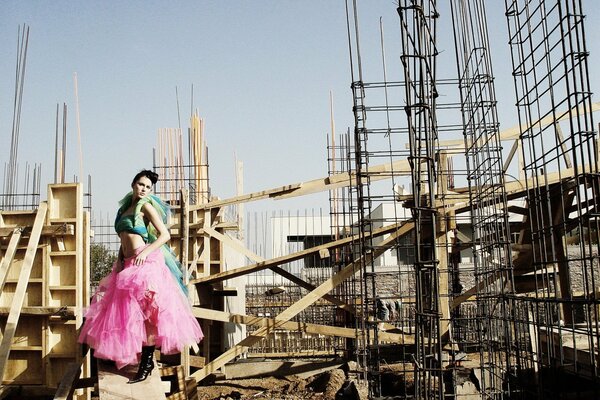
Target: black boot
x=146 y=364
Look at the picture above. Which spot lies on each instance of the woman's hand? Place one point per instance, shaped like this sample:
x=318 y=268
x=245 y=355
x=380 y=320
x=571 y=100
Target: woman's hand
x=140 y=258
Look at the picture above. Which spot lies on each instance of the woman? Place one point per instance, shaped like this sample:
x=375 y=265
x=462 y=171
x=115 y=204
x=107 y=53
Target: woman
x=142 y=303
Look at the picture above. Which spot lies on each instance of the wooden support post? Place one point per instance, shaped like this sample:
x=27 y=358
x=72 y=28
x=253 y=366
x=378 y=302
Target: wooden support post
x=206 y=252
x=185 y=238
x=442 y=245
x=19 y=296
x=562 y=262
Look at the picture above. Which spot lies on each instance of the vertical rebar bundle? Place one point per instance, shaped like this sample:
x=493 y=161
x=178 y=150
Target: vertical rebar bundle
x=11 y=176
x=418 y=27
x=360 y=206
x=559 y=150
x=487 y=194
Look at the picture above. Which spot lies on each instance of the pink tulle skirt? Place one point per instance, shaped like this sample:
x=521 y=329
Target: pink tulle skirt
x=131 y=304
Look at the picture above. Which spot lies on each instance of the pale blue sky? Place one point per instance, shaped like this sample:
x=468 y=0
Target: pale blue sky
x=262 y=71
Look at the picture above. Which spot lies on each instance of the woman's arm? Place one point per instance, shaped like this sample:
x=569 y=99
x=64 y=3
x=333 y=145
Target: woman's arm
x=163 y=233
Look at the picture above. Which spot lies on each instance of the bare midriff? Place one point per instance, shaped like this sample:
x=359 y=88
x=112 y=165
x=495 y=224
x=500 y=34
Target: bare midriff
x=130 y=242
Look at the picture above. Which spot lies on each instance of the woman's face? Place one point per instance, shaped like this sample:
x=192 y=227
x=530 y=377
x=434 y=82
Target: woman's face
x=142 y=187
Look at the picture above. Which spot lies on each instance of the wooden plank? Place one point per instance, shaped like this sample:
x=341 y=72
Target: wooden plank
x=185 y=230
x=9 y=256
x=222 y=316
x=176 y=375
x=302 y=304
x=206 y=252
x=66 y=386
x=234 y=244
x=47 y=230
x=441 y=243
x=514 y=132
x=61 y=312
x=240 y=247
x=294 y=256
x=20 y=292
x=112 y=383
x=378 y=172
x=510 y=155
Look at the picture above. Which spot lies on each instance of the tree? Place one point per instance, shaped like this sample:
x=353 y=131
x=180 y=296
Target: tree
x=101 y=260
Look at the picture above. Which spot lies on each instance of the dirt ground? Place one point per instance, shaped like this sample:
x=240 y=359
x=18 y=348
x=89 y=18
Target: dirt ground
x=327 y=385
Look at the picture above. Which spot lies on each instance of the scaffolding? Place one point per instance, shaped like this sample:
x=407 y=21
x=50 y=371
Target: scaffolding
x=445 y=253
x=560 y=228
x=503 y=270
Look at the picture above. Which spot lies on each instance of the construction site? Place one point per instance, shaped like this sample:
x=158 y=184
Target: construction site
x=455 y=259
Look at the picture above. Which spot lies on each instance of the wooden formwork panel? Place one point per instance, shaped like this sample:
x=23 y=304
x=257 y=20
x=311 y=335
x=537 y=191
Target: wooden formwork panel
x=24 y=367
x=17 y=218
x=64 y=201
x=35 y=289
x=56 y=368
x=33 y=295
x=60 y=339
x=37 y=268
x=62 y=270
x=25 y=363
x=45 y=342
x=28 y=335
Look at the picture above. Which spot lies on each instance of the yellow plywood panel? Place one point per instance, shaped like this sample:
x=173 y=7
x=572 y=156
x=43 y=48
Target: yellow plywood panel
x=57 y=367
x=33 y=295
x=64 y=201
x=62 y=339
x=62 y=270
x=28 y=332
x=36 y=268
x=62 y=297
x=24 y=367
x=18 y=218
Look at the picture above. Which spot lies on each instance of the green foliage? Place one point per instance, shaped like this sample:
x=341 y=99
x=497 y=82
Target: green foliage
x=101 y=261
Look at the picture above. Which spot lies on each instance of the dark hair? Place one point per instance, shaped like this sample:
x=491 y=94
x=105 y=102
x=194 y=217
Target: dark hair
x=153 y=176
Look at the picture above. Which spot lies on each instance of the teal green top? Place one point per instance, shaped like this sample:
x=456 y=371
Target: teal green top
x=127 y=224
x=134 y=223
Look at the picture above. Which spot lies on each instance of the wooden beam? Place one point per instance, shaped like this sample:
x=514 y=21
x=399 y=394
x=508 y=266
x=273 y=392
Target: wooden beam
x=303 y=303
x=234 y=244
x=239 y=246
x=510 y=155
x=47 y=230
x=514 y=132
x=206 y=248
x=441 y=243
x=66 y=386
x=294 y=256
x=378 y=172
x=20 y=291
x=222 y=316
x=62 y=312
x=185 y=238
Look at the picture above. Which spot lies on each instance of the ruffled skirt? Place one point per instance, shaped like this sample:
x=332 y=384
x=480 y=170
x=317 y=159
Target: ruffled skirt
x=133 y=303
